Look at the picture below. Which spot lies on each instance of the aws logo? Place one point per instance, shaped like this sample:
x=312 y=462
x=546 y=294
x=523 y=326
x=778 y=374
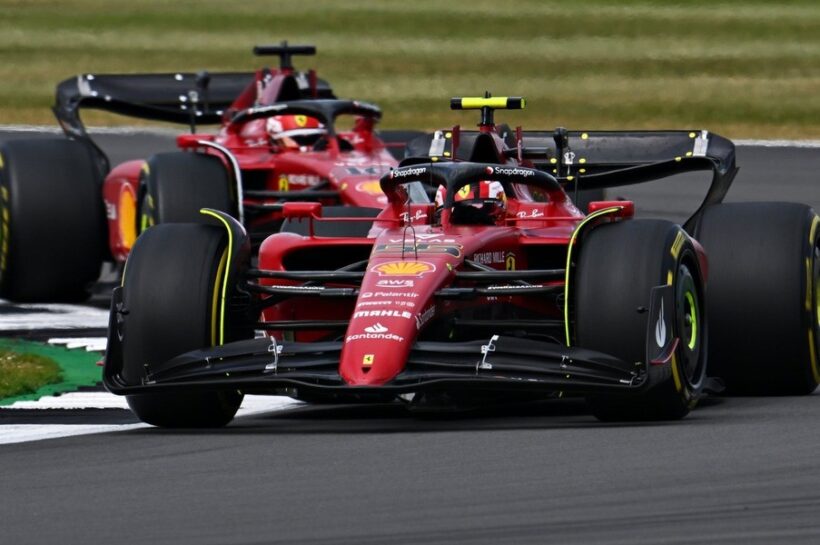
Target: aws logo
x=404 y=268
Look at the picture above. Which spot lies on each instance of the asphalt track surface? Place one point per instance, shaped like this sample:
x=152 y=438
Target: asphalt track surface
x=737 y=470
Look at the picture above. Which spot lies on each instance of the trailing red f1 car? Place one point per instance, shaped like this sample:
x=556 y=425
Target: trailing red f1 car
x=491 y=295
x=65 y=211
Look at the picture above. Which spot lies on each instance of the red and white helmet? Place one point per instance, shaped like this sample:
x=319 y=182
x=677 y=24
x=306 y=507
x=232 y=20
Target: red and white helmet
x=490 y=202
x=292 y=131
x=487 y=189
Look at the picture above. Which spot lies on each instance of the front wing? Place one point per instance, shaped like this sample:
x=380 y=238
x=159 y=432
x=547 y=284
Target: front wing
x=265 y=366
x=500 y=363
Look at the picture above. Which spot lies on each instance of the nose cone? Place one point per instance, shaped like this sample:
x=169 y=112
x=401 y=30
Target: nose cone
x=374 y=358
x=394 y=297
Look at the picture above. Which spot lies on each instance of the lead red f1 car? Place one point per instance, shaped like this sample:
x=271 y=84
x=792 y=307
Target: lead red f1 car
x=66 y=211
x=502 y=290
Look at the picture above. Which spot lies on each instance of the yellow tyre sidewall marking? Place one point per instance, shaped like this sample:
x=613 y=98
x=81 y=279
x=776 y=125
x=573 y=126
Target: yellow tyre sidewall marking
x=220 y=271
x=5 y=229
x=670 y=281
x=147 y=214
x=571 y=244
x=224 y=296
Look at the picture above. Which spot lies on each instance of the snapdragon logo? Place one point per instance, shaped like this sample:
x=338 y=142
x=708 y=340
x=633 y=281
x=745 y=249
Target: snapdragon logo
x=520 y=172
x=403 y=173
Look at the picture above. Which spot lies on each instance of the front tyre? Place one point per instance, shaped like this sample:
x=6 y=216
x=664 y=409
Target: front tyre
x=618 y=266
x=172 y=286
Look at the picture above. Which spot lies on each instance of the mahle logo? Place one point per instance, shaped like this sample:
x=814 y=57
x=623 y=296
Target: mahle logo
x=404 y=268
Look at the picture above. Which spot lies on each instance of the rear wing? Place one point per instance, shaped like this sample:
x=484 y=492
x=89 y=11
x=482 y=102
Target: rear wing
x=182 y=97
x=601 y=159
x=163 y=97
x=597 y=159
x=573 y=153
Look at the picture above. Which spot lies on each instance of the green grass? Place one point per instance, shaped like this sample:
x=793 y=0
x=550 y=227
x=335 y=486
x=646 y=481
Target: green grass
x=743 y=69
x=25 y=373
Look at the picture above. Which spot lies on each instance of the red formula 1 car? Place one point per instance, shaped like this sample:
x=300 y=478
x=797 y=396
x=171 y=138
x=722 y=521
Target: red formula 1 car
x=491 y=295
x=280 y=139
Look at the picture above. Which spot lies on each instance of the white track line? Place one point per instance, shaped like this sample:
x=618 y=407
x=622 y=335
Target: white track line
x=47 y=316
x=23 y=433
x=72 y=401
x=778 y=143
x=252 y=404
x=90 y=344
x=123 y=130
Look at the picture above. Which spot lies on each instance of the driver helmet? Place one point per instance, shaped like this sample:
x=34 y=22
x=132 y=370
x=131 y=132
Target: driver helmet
x=294 y=131
x=491 y=200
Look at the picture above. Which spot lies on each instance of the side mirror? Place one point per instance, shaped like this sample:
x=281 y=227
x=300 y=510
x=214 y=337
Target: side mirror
x=627 y=207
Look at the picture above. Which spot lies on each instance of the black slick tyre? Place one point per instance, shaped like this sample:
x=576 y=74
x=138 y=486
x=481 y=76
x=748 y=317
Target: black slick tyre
x=618 y=266
x=53 y=233
x=173 y=279
x=764 y=301
x=174 y=186
x=586 y=196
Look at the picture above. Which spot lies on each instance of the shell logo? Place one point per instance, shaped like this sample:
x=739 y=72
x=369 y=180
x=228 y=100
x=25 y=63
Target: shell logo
x=404 y=268
x=371 y=188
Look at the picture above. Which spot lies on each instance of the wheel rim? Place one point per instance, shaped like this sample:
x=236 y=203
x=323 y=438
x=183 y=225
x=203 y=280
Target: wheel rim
x=690 y=325
x=691 y=320
x=815 y=287
x=146 y=213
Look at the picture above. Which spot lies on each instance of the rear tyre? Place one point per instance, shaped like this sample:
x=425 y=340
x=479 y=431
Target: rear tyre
x=764 y=301
x=52 y=237
x=618 y=266
x=586 y=196
x=175 y=186
x=173 y=279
